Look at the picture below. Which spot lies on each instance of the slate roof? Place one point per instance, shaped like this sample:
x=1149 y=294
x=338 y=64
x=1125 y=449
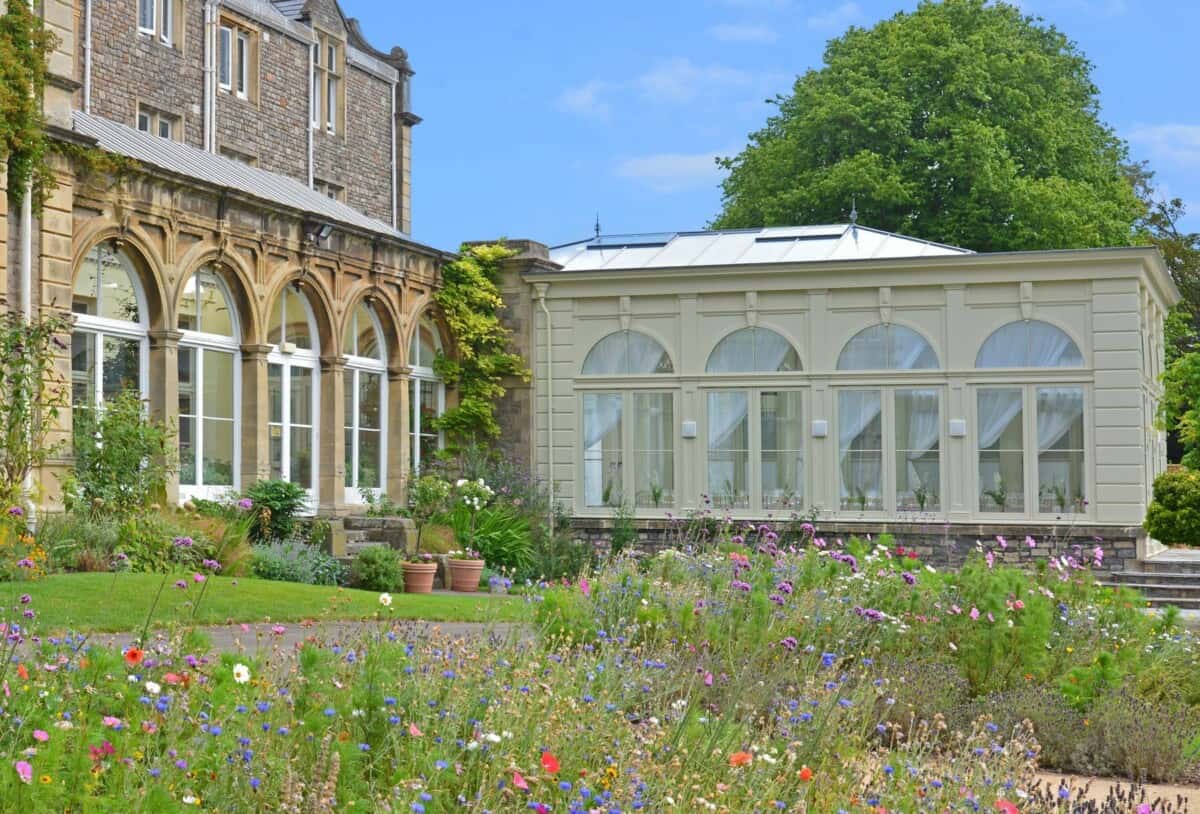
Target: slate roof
x=289 y=8
x=192 y=162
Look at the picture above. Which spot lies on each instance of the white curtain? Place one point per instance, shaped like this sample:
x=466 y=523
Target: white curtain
x=601 y=415
x=733 y=354
x=728 y=414
x=908 y=350
x=923 y=430
x=773 y=353
x=858 y=410
x=608 y=357
x=887 y=347
x=1059 y=409
x=997 y=409
x=646 y=355
x=866 y=350
x=1029 y=344
x=758 y=350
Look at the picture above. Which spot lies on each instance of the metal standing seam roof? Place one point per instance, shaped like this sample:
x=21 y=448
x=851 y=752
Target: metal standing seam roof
x=289 y=8
x=778 y=244
x=192 y=162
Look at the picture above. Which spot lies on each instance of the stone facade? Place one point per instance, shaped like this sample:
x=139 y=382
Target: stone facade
x=940 y=545
x=271 y=127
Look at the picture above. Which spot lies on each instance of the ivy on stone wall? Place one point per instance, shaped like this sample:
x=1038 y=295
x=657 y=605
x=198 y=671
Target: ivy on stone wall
x=470 y=303
x=25 y=46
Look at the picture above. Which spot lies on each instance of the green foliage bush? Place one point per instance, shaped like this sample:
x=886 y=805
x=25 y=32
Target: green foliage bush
x=123 y=458
x=1174 y=514
x=276 y=503
x=501 y=535
x=295 y=561
x=377 y=568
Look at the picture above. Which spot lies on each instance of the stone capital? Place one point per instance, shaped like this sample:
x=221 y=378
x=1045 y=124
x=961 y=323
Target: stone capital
x=164 y=339
x=399 y=374
x=333 y=364
x=256 y=352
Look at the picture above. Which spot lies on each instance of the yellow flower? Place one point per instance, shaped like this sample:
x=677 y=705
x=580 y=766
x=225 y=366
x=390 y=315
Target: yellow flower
x=45 y=780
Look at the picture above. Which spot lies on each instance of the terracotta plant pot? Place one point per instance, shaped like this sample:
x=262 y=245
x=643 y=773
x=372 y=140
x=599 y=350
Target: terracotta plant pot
x=418 y=577
x=464 y=575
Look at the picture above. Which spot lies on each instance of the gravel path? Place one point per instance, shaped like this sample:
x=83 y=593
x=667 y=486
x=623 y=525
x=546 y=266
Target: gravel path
x=1099 y=789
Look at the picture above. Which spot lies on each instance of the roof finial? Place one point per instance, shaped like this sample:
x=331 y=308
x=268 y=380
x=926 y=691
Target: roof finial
x=853 y=211
x=597 y=224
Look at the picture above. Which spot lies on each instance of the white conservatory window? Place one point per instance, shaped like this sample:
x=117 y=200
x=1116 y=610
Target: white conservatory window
x=109 y=342
x=365 y=403
x=887 y=347
x=428 y=398
x=753 y=350
x=628 y=435
x=1029 y=343
x=889 y=449
x=292 y=391
x=627 y=353
x=209 y=388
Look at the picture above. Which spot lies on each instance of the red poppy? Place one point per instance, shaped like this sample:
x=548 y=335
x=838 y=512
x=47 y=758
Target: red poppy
x=740 y=759
x=806 y=774
x=22 y=672
x=1005 y=807
x=549 y=763
x=134 y=656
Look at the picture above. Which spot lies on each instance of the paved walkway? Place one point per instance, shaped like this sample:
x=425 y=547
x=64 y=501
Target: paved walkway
x=1101 y=789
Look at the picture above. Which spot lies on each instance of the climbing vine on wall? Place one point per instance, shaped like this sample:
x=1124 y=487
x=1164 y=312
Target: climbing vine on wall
x=470 y=302
x=25 y=47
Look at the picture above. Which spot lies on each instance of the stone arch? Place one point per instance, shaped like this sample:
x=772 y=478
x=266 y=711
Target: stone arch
x=319 y=300
x=238 y=279
x=426 y=308
x=146 y=261
x=387 y=314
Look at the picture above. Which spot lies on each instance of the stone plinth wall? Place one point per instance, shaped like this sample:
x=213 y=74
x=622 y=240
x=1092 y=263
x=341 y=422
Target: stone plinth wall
x=395 y=532
x=944 y=545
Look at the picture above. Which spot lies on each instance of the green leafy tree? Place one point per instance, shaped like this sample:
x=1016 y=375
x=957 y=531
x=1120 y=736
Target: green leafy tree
x=964 y=122
x=470 y=302
x=25 y=46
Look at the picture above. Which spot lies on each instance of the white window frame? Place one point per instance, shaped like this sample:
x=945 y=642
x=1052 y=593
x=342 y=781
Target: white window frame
x=166 y=21
x=1029 y=387
x=754 y=413
x=201 y=341
x=308 y=359
x=98 y=327
x=418 y=374
x=315 y=91
x=242 y=60
x=627 y=392
x=148 y=118
x=358 y=365
x=152 y=29
x=225 y=57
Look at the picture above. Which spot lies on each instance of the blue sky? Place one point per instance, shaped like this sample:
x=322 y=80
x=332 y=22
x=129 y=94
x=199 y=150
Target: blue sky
x=538 y=114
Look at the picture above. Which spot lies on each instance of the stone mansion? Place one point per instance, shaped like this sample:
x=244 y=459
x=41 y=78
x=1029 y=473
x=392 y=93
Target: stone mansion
x=253 y=276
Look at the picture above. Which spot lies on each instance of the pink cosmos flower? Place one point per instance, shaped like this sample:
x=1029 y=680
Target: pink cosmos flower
x=974 y=614
x=1029 y=541
x=708 y=679
x=198 y=577
x=109 y=720
x=1000 y=539
x=991 y=559
x=41 y=735
x=412 y=730
x=24 y=771
x=585 y=587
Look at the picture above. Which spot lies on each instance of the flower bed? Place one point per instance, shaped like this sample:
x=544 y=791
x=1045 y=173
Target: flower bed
x=743 y=677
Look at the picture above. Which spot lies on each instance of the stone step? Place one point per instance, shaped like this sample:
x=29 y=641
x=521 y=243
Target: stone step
x=1166 y=564
x=1136 y=578
x=1158 y=591
x=355 y=546
x=355 y=536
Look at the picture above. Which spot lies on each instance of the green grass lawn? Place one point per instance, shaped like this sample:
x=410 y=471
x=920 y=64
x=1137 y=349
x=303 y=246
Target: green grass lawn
x=108 y=602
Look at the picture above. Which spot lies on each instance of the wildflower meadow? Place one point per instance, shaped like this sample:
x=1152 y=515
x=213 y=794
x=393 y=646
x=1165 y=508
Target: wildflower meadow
x=748 y=674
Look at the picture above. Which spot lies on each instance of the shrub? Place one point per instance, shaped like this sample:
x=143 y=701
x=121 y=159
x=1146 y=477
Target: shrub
x=151 y=543
x=377 y=568
x=501 y=535
x=427 y=498
x=123 y=458
x=624 y=532
x=294 y=561
x=79 y=542
x=1174 y=514
x=276 y=502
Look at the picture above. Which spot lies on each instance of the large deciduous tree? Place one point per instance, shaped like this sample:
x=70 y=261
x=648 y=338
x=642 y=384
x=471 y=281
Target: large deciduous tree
x=964 y=122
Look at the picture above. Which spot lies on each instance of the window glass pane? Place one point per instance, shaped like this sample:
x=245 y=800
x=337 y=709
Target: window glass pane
x=297 y=328
x=866 y=350
x=729 y=449
x=225 y=58
x=654 y=449
x=275 y=392
x=918 y=451
x=144 y=122
x=753 y=350
x=301 y=396
x=187 y=381
x=121 y=365
x=349 y=456
x=908 y=350
x=733 y=354
x=188 y=320
x=860 y=447
x=887 y=347
x=1061 y=473
x=164 y=128
x=218 y=452
x=215 y=314
x=1029 y=344
x=369 y=457
x=243 y=64
x=301 y=452
x=167 y=21
x=427 y=346
x=331 y=99
x=187 y=450
x=367 y=343
x=627 y=353
x=118 y=289
x=602 y=453
x=218 y=384
x=370 y=391
x=146 y=14
x=1001 y=450
x=782 y=457
x=83 y=369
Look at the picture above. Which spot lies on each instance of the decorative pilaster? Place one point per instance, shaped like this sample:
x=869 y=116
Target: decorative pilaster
x=255 y=451
x=164 y=388
x=399 y=454
x=331 y=439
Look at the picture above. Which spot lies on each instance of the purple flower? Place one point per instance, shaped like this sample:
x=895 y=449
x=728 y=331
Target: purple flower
x=26 y=599
x=16 y=511
x=789 y=643
x=181 y=585
x=184 y=542
x=245 y=504
x=909 y=578
x=211 y=565
x=25 y=563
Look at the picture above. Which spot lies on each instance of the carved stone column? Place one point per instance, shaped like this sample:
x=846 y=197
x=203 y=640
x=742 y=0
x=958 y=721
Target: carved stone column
x=399 y=453
x=331 y=477
x=255 y=451
x=164 y=389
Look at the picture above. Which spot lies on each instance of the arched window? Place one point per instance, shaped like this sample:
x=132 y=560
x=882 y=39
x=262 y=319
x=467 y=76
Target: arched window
x=293 y=390
x=627 y=353
x=1029 y=343
x=365 y=403
x=753 y=350
x=428 y=398
x=887 y=347
x=108 y=344
x=209 y=387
